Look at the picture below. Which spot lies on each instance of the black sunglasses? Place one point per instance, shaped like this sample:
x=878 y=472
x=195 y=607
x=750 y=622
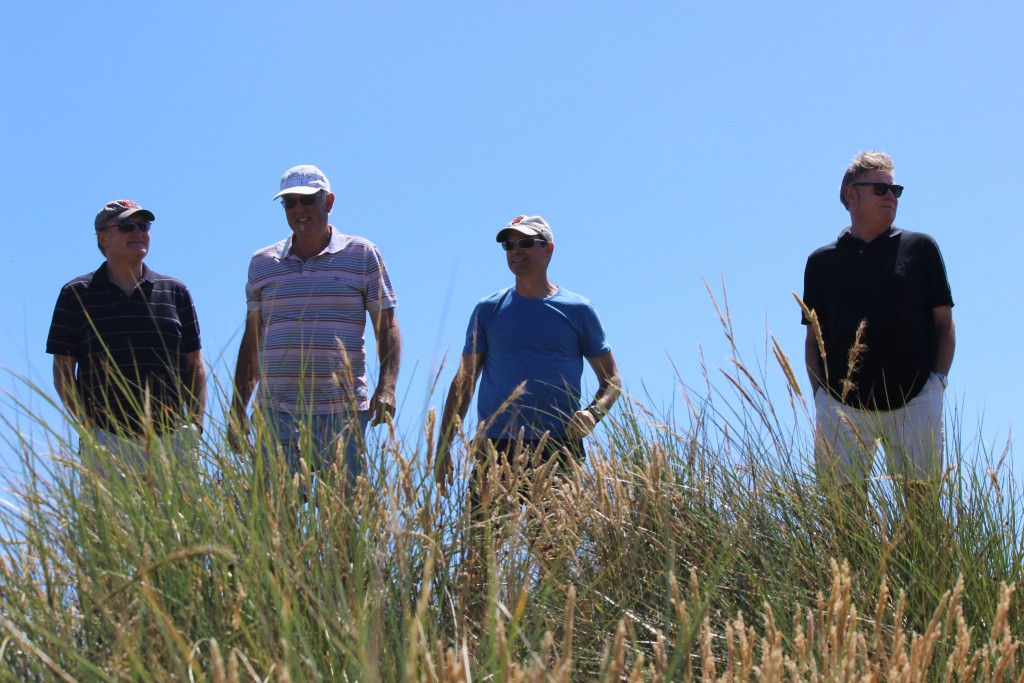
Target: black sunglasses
x=881 y=189
x=129 y=226
x=523 y=242
x=306 y=199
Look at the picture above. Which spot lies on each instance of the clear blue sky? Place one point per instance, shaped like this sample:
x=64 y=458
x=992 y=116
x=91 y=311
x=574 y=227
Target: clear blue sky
x=665 y=142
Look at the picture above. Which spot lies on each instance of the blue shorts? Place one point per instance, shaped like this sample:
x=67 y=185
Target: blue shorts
x=318 y=439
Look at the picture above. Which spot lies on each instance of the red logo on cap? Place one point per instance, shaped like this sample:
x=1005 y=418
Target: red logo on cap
x=126 y=203
x=517 y=219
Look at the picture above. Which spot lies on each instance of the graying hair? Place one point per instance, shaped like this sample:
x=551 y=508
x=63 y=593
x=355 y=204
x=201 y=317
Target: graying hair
x=862 y=164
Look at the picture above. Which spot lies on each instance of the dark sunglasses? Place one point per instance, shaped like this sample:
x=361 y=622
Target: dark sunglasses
x=881 y=189
x=306 y=199
x=523 y=242
x=129 y=226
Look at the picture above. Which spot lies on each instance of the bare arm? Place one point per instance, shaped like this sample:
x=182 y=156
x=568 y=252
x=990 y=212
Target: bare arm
x=945 y=330
x=812 y=358
x=64 y=383
x=608 y=389
x=246 y=372
x=389 y=352
x=195 y=378
x=460 y=394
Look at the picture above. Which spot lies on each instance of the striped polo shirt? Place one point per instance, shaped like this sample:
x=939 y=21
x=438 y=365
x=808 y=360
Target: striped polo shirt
x=312 y=353
x=129 y=349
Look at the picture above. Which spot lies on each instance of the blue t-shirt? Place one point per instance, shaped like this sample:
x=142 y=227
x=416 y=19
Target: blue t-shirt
x=542 y=342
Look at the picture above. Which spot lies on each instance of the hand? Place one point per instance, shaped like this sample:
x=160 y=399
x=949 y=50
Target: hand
x=382 y=406
x=580 y=424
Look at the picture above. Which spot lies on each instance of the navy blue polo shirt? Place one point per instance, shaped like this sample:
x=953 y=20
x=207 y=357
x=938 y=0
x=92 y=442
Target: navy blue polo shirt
x=892 y=283
x=129 y=349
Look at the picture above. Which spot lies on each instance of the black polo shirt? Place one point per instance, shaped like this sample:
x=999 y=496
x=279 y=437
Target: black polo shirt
x=892 y=282
x=128 y=349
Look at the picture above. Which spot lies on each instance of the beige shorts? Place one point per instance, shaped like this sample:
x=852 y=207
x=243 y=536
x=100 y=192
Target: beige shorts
x=846 y=438
x=158 y=458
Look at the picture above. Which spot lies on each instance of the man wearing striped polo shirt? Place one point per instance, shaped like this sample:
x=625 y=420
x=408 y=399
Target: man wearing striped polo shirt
x=126 y=351
x=307 y=298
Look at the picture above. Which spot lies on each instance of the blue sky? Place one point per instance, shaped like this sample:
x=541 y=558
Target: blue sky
x=665 y=143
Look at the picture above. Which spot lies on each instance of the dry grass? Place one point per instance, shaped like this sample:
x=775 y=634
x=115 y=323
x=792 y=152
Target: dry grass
x=701 y=550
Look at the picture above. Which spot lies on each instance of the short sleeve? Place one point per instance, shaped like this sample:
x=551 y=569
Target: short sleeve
x=380 y=294
x=476 y=332
x=810 y=297
x=939 y=293
x=63 y=338
x=595 y=343
x=190 y=339
x=253 y=301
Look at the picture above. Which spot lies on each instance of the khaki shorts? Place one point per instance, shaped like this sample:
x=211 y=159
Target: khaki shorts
x=845 y=438
x=156 y=457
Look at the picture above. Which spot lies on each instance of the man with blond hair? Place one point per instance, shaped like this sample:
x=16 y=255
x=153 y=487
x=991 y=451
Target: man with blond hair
x=880 y=338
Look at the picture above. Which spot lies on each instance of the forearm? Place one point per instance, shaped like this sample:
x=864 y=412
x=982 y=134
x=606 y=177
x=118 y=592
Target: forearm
x=814 y=377
x=456 y=405
x=609 y=386
x=608 y=392
x=944 y=350
x=245 y=385
x=64 y=383
x=195 y=398
x=247 y=366
x=945 y=339
x=246 y=377
x=389 y=351
x=812 y=359
x=68 y=396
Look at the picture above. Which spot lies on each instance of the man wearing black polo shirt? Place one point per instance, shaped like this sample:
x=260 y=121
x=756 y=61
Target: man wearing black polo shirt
x=125 y=343
x=880 y=297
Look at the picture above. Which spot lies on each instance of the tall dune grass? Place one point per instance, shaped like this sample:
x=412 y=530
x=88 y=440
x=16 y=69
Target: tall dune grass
x=690 y=548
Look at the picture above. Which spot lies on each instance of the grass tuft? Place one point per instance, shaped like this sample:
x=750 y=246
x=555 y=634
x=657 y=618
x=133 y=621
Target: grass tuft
x=701 y=550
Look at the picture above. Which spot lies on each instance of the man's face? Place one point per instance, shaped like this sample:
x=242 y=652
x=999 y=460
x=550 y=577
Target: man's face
x=307 y=219
x=124 y=246
x=866 y=206
x=529 y=260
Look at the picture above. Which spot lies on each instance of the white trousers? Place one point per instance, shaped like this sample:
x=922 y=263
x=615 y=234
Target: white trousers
x=846 y=438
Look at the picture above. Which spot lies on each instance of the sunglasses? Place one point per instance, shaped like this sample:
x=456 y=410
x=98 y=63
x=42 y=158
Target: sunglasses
x=306 y=199
x=129 y=226
x=881 y=189
x=522 y=242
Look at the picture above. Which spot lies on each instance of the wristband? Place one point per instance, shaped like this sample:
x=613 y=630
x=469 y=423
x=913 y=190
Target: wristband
x=596 y=412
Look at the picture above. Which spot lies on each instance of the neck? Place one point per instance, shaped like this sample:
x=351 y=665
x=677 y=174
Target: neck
x=535 y=288
x=305 y=246
x=125 y=275
x=866 y=233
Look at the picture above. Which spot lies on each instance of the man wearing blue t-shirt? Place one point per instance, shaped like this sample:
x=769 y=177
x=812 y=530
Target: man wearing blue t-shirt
x=526 y=345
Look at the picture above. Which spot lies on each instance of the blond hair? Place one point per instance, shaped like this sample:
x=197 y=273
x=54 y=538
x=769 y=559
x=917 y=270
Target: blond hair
x=862 y=163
